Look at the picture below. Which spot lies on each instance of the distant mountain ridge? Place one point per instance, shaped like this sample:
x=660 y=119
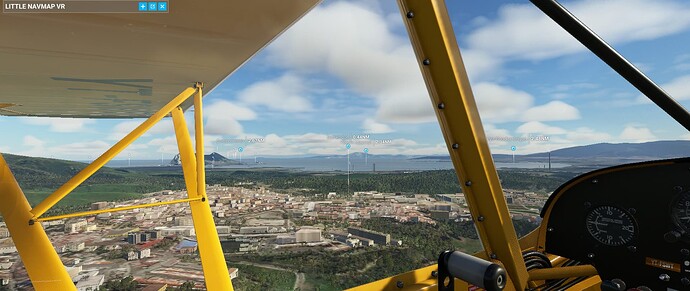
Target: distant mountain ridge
x=34 y=172
x=212 y=158
x=646 y=150
x=655 y=149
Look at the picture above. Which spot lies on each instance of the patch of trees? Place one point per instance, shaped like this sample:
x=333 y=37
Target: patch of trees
x=120 y=284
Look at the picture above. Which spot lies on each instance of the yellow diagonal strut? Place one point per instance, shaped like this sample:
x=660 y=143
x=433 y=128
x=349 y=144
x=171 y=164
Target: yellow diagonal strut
x=216 y=272
x=42 y=263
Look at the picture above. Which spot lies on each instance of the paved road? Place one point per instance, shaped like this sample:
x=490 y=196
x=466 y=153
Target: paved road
x=299 y=281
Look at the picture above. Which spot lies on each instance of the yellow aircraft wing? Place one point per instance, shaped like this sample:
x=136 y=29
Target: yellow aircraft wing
x=129 y=65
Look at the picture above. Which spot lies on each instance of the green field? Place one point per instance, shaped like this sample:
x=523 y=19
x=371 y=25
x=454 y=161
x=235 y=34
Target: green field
x=87 y=194
x=251 y=278
x=316 y=284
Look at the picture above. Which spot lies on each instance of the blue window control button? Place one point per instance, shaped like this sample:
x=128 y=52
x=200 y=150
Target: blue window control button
x=162 y=6
x=143 y=6
x=153 y=6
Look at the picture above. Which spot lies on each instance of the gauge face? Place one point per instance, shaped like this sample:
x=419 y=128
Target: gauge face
x=680 y=212
x=610 y=225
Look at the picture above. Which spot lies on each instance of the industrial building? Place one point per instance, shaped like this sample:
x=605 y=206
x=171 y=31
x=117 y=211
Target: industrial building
x=186 y=247
x=308 y=235
x=285 y=239
x=77 y=226
x=442 y=207
x=99 y=205
x=253 y=229
x=132 y=255
x=341 y=237
x=89 y=280
x=361 y=241
x=179 y=230
x=143 y=236
x=134 y=238
x=376 y=237
x=144 y=253
x=184 y=221
x=440 y=215
x=353 y=242
x=222 y=229
x=240 y=245
x=453 y=198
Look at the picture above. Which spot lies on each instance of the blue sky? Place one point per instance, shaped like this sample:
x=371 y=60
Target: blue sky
x=348 y=68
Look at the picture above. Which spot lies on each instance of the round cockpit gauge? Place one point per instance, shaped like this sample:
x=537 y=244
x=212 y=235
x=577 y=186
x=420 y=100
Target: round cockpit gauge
x=610 y=225
x=680 y=211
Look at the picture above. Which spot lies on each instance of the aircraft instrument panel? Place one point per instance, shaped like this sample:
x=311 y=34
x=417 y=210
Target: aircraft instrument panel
x=631 y=222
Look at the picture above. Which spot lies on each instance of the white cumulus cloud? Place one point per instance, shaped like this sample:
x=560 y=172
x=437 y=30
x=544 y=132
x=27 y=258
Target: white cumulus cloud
x=678 y=88
x=499 y=103
x=222 y=118
x=59 y=124
x=357 y=45
x=372 y=126
x=536 y=127
x=637 y=134
x=286 y=93
x=521 y=31
x=554 y=110
x=32 y=141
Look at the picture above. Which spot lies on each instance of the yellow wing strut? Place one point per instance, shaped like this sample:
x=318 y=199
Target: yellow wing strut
x=42 y=263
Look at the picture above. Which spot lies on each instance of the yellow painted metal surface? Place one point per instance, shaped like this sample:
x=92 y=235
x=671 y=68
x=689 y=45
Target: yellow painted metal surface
x=213 y=263
x=184 y=144
x=124 y=208
x=199 y=143
x=557 y=260
x=84 y=174
x=439 y=57
x=420 y=279
x=529 y=241
x=42 y=263
x=414 y=280
x=562 y=272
